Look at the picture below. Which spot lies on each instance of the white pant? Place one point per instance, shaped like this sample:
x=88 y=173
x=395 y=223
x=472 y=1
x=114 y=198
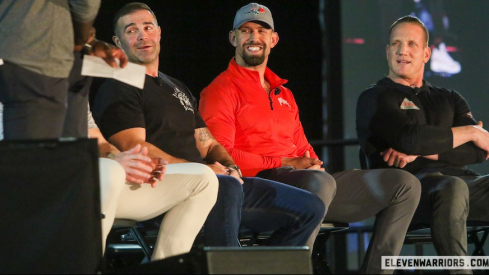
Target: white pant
x=187 y=192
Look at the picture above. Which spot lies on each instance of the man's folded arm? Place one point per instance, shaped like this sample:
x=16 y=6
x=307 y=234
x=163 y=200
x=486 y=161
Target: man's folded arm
x=379 y=112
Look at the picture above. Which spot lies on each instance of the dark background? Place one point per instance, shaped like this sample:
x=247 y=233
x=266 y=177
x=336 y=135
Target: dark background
x=195 y=46
x=195 y=49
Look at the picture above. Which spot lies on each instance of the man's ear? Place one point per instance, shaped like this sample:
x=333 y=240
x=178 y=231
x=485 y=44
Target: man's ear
x=117 y=41
x=275 y=39
x=427 y=54
x=159 y=31
x=232 y=38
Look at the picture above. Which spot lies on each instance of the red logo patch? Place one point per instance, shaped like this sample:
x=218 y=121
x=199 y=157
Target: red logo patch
x=408 y=105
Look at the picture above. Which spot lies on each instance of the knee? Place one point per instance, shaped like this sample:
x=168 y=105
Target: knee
x=208 y=176
x=452 y=189
x=321 y=184
x=230 y=189
x=404 y=181
x=403 y=186
x=209 y=180
x=112 y=176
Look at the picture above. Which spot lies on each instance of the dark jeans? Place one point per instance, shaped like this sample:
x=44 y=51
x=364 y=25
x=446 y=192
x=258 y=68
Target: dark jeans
x=34 y=104
x=262 y=205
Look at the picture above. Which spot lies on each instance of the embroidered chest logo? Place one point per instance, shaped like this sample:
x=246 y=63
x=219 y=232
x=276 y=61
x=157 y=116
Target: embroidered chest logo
x=184 y=100
x=408 y=105
x=283 y=102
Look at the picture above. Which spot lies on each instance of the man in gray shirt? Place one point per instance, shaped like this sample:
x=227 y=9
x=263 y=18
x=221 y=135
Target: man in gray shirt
x=38 y=38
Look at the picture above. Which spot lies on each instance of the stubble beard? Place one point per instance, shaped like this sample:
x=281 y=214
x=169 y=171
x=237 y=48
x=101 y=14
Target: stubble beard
x=254 y=60
x=143 y=59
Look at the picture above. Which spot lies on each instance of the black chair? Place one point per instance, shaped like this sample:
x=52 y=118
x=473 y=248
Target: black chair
x=477 y=232
x=128 y=244
x=319 y=263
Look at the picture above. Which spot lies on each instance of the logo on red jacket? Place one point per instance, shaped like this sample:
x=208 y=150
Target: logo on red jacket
x=408 y=105
x=283 y=102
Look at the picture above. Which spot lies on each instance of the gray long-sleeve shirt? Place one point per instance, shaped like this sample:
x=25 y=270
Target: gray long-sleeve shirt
x=38 y=34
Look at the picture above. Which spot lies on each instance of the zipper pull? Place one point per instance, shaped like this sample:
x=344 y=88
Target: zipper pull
x=271 y=102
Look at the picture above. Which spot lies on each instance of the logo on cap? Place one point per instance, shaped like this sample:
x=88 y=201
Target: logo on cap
x=253 y=10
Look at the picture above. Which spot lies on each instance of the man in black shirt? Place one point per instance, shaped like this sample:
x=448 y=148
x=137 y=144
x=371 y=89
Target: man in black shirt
x=405 y=122
x=164 y=117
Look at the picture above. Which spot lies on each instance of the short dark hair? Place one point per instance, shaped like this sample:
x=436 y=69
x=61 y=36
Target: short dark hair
x=130 y=8
x=412 y=20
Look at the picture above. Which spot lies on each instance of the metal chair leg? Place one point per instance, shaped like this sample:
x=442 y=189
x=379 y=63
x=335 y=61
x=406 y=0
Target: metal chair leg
x=142 y=243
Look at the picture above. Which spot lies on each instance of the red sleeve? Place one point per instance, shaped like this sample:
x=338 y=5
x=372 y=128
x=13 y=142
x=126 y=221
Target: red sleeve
x=218 y=104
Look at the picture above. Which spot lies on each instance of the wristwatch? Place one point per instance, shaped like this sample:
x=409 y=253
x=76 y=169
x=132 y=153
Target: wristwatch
x=87 y=49
x=235 y=167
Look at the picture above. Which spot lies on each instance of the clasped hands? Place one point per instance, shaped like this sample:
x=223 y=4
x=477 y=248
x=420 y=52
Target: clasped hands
x=304 y=162
x=140 y=168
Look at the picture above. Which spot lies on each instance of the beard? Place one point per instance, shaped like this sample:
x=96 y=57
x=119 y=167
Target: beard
x=254 y=60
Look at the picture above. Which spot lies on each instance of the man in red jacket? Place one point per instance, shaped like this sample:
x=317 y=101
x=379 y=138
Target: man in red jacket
x=255 y=117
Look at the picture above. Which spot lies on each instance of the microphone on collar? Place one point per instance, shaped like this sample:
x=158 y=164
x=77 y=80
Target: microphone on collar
x=423 y=88
x=277 y=91
x=416 y=90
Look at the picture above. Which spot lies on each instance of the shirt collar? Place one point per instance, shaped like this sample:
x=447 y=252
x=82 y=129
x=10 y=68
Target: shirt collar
x=389 y=82
x=274 y=80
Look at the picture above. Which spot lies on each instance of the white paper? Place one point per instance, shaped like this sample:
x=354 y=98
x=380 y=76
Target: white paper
x=1 y=61
x=133 y=74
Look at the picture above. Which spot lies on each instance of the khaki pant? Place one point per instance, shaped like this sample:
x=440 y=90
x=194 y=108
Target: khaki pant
x=187 y=193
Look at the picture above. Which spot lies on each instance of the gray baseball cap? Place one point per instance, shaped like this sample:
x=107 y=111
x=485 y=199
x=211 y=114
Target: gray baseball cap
x=253 y=12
